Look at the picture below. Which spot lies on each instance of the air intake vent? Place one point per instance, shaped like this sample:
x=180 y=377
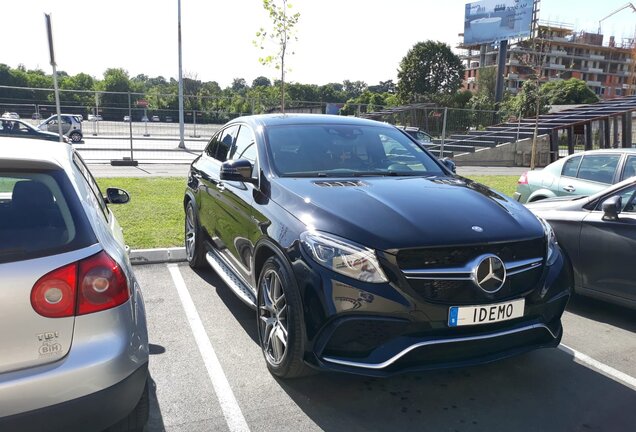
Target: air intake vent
x=339 y=183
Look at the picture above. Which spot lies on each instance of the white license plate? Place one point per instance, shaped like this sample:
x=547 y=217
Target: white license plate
x=474 y=315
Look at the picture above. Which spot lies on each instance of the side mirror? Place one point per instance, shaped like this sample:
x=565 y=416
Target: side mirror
x=612 y=207
x=448 y=163
x=116 y=196
x=237 y=170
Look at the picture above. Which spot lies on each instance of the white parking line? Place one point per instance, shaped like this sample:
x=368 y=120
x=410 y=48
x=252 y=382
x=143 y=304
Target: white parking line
x=606 y=370
x=229 y=406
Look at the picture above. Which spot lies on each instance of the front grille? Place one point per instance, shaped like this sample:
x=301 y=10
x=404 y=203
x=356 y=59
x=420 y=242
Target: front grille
x=457 y=256
x=450 y=286
x=464 y=292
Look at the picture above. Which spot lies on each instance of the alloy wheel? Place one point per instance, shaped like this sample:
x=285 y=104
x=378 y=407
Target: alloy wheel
x=190 y=232
x=272 y=313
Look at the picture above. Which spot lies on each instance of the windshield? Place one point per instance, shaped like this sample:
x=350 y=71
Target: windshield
x=346 y=150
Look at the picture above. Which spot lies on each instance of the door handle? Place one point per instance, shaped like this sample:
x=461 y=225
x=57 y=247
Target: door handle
x=220 y=186
x=569 y=188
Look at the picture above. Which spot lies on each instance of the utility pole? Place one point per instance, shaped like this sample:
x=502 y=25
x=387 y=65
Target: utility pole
x=49 y=32
x=181 y=117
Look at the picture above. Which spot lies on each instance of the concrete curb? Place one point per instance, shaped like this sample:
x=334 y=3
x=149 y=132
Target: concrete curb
x=157 y=256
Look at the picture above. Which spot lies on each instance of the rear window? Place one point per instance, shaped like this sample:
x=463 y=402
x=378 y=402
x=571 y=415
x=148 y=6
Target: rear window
x=40 y=215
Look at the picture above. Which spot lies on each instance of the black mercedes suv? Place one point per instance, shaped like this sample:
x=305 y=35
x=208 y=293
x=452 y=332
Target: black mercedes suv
x=363 y=253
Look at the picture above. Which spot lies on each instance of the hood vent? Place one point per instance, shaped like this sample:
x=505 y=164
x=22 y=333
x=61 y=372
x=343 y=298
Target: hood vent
x=339 y=183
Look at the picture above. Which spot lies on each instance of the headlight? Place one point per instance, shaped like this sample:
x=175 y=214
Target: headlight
x=551 y=241
x=343 y=257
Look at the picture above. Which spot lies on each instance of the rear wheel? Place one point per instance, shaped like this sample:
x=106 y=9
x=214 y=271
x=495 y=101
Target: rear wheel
x=280 y=321
x=195 y=251
x=75 y=137
x=136 y=420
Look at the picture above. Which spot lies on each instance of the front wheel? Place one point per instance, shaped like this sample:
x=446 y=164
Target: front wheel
x=280 y=321
x=195 y=251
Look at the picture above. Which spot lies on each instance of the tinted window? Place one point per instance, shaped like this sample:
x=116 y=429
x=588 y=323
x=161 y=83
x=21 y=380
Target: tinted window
x=342 y=150
x=628 y=199
x=599 y=168
x=8 y=127
x=571 y=166
x=630 y=167
x=40 y=216
x=219 y=146
x=245 y=147
x=97 y=199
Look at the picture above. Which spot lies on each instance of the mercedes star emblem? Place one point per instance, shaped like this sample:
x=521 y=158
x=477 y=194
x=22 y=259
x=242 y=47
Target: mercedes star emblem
x=490 y=274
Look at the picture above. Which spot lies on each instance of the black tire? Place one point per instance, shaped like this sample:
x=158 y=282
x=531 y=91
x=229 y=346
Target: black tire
x=290 y=364
x=195 y=250
x=75 y=137
x=137 y=419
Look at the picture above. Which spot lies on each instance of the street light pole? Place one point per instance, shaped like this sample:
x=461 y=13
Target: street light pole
x=49 y=33
x=181 y=119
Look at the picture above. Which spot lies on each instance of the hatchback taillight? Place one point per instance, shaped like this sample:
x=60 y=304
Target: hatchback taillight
x=54 y=294
x=91 y=285
x=523 y=179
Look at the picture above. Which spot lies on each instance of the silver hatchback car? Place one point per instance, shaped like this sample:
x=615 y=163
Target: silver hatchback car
x=74 y=343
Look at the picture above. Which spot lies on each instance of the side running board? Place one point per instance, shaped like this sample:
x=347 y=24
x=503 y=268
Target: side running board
x=235 y=283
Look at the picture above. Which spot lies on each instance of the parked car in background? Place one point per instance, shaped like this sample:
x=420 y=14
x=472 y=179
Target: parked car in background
x=168 y=119
x=36 y=116
x=11 y=115
x=126 y=118
x=71 y=126
x=155 y=118
x=75 y=345
x=419 y=135
x=363 y=253
x=582 y=173
x=93 y=117
x=599 y=235
x=21 y=129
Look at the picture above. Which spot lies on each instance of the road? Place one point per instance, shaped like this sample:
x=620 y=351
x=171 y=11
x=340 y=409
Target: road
x=209 y=374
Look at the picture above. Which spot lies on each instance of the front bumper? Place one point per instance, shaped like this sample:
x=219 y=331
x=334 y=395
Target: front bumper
x=380 y=330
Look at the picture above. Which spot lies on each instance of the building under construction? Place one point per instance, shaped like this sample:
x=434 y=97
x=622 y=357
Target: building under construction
x=558 y=52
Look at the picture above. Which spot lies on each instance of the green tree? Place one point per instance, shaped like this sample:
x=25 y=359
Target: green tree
x=261 y=81
x=116 y=80
x=429 y=68
x=281 y=33
x=568 y=92
x=239 y=84
x=525 y=103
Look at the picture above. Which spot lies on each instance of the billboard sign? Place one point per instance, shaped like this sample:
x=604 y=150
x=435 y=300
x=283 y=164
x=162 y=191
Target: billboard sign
x=488 y=21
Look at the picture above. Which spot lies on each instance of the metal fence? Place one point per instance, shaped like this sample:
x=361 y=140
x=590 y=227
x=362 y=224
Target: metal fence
x=128 y=125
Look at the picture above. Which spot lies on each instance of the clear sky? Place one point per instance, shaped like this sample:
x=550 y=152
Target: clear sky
x=338 y=39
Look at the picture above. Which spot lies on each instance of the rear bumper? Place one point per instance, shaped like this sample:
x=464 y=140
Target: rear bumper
x=108 y=347
x=93 y=412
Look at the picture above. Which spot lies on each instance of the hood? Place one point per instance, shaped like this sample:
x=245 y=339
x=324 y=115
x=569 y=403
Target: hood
x=388 y=213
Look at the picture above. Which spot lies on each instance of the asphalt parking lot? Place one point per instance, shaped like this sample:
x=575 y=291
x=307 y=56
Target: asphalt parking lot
x=209 y=374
